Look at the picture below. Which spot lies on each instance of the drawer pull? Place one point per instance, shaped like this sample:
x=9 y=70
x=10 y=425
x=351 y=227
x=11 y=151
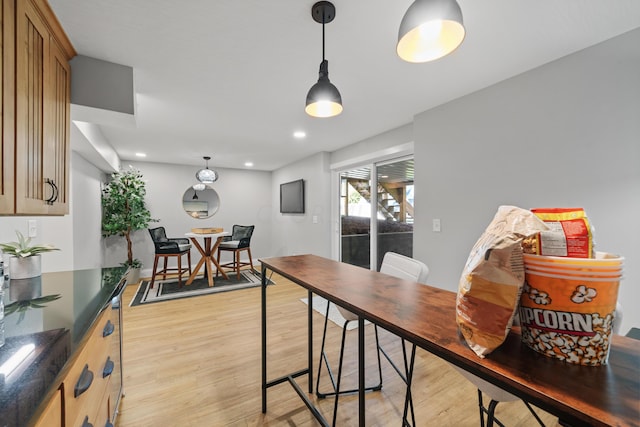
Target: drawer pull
x=108 y=329
x=84 y=382
x=86 y=422
x=108 y=424
x=108 y=367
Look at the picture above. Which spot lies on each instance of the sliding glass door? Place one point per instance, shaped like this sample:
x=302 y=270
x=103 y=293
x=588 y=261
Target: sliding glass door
x=355 y=216
x=394 y=208
x=376 y=200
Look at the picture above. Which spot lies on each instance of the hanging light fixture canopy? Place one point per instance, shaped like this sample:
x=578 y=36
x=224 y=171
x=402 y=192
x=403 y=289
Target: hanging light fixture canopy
x=206 y=175
x=323 y=99
x=430 y=29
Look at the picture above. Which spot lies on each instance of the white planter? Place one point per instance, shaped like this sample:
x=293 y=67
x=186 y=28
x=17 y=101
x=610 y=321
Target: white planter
x=133 y=277
x=24 y=268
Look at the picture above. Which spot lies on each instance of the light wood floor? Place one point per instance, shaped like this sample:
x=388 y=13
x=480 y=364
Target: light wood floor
x=196 y=362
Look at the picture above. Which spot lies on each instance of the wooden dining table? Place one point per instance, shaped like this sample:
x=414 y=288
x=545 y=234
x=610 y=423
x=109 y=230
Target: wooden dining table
x=607 y=395
x=208 y=254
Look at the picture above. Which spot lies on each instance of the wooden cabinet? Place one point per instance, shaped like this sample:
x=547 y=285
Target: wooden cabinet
x=86 y=386
x=52 y=415
x=86 y=390
x=42 y=110
x=7 y=117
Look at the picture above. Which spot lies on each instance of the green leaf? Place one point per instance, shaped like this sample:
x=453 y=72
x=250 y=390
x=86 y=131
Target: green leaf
x=123 y=207
x=22 y=247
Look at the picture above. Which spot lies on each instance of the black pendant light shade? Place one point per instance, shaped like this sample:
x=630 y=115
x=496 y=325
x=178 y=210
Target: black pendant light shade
x=430 y=29
x=323 y=99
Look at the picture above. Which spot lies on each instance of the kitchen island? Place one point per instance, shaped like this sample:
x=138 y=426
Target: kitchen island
x=61 y=357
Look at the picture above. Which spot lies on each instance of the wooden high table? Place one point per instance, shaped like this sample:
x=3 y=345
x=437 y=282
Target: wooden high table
x=208 y=253
x=425 y=315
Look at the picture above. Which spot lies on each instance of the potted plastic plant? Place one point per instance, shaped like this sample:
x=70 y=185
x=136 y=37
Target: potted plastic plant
x=25 y=258
x=124 y=211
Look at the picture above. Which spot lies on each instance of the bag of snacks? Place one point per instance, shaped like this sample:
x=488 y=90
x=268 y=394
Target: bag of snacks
x=570 y=234
x=492 y=279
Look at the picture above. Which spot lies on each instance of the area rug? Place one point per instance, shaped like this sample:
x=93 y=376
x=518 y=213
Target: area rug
x=320 y=305
x=169 y=289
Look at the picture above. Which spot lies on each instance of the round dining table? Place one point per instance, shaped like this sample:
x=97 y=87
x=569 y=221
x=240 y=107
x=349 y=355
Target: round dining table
x=208 y=252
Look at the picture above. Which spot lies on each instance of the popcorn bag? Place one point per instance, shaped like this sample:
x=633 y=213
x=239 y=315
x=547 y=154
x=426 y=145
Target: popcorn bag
x=567 y=306
x=570 y=233
x=492 y=279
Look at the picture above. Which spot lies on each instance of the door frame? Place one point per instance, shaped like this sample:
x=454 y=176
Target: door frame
x=396 y=152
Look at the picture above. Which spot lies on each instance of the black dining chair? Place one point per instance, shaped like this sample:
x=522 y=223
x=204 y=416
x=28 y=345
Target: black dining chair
x=166 y=248
x=239 y=241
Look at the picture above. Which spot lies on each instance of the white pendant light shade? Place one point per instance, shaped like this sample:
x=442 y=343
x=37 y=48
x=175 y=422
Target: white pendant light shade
x=430 y=29
x=206 y=175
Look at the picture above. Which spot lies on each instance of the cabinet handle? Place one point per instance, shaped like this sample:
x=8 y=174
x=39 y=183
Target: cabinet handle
x=108 y=329
x=84 y=382
x=86 y=422
x=54 y=191
x=108 y=367
x=108 y=424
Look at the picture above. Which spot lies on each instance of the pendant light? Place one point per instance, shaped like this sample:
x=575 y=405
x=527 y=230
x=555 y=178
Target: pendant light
x=323 y=99
x=430 y=29
x=206 y=175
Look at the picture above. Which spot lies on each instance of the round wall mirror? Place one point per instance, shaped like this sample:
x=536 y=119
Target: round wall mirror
x=200 y=201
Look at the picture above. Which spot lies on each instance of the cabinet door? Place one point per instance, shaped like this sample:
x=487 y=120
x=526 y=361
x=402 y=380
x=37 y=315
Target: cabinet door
x=7 y=116
x=57 y=130
x=32 y=47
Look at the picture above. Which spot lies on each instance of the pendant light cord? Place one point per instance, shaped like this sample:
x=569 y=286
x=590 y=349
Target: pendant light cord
x=324 y=18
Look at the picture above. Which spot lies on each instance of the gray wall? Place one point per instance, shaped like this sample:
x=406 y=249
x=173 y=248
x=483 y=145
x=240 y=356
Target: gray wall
x=86 y=212
x=101 y=84
x=294 y=234
x=245 y=198
x=563 y=135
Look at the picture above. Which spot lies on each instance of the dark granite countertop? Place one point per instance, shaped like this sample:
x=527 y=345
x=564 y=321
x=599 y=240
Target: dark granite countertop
x=46 y=319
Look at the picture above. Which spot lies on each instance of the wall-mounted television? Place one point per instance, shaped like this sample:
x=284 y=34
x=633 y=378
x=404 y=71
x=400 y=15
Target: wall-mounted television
x=292 y=197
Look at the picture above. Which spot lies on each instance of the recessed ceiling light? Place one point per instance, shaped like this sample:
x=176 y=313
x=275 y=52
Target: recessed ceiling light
x=141 y=155
x=248 y=164
x=299 y=134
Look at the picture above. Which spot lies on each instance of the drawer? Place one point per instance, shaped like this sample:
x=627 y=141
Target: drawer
x=86 y=373
x=103 y=418
x=52 y=414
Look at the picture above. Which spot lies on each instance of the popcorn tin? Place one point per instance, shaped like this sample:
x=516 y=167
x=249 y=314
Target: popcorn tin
x=569 y=317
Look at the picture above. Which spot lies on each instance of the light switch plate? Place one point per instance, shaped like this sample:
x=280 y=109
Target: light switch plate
x=436 y=225
x=32 y=228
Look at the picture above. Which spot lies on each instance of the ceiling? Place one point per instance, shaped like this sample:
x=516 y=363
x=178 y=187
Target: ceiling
x=229 y=78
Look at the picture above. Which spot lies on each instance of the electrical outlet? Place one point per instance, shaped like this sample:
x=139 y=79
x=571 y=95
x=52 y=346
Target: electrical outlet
x=436 y=225
x=32 y=227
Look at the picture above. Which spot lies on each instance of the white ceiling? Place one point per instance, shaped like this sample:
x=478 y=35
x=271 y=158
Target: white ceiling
x=228 y=78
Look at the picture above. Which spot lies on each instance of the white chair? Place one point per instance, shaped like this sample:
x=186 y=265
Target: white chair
x=395 y=265
x=497 y=395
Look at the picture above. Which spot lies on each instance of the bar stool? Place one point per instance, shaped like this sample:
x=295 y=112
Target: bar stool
x=399 y=266
x=166 y=248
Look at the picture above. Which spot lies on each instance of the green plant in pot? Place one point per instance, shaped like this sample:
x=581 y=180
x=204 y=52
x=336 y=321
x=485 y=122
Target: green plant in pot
x=124 y=210
x=25 y=257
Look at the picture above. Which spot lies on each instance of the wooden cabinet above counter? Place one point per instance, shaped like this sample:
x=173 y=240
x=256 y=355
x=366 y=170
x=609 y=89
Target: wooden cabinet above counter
x=36 y=81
